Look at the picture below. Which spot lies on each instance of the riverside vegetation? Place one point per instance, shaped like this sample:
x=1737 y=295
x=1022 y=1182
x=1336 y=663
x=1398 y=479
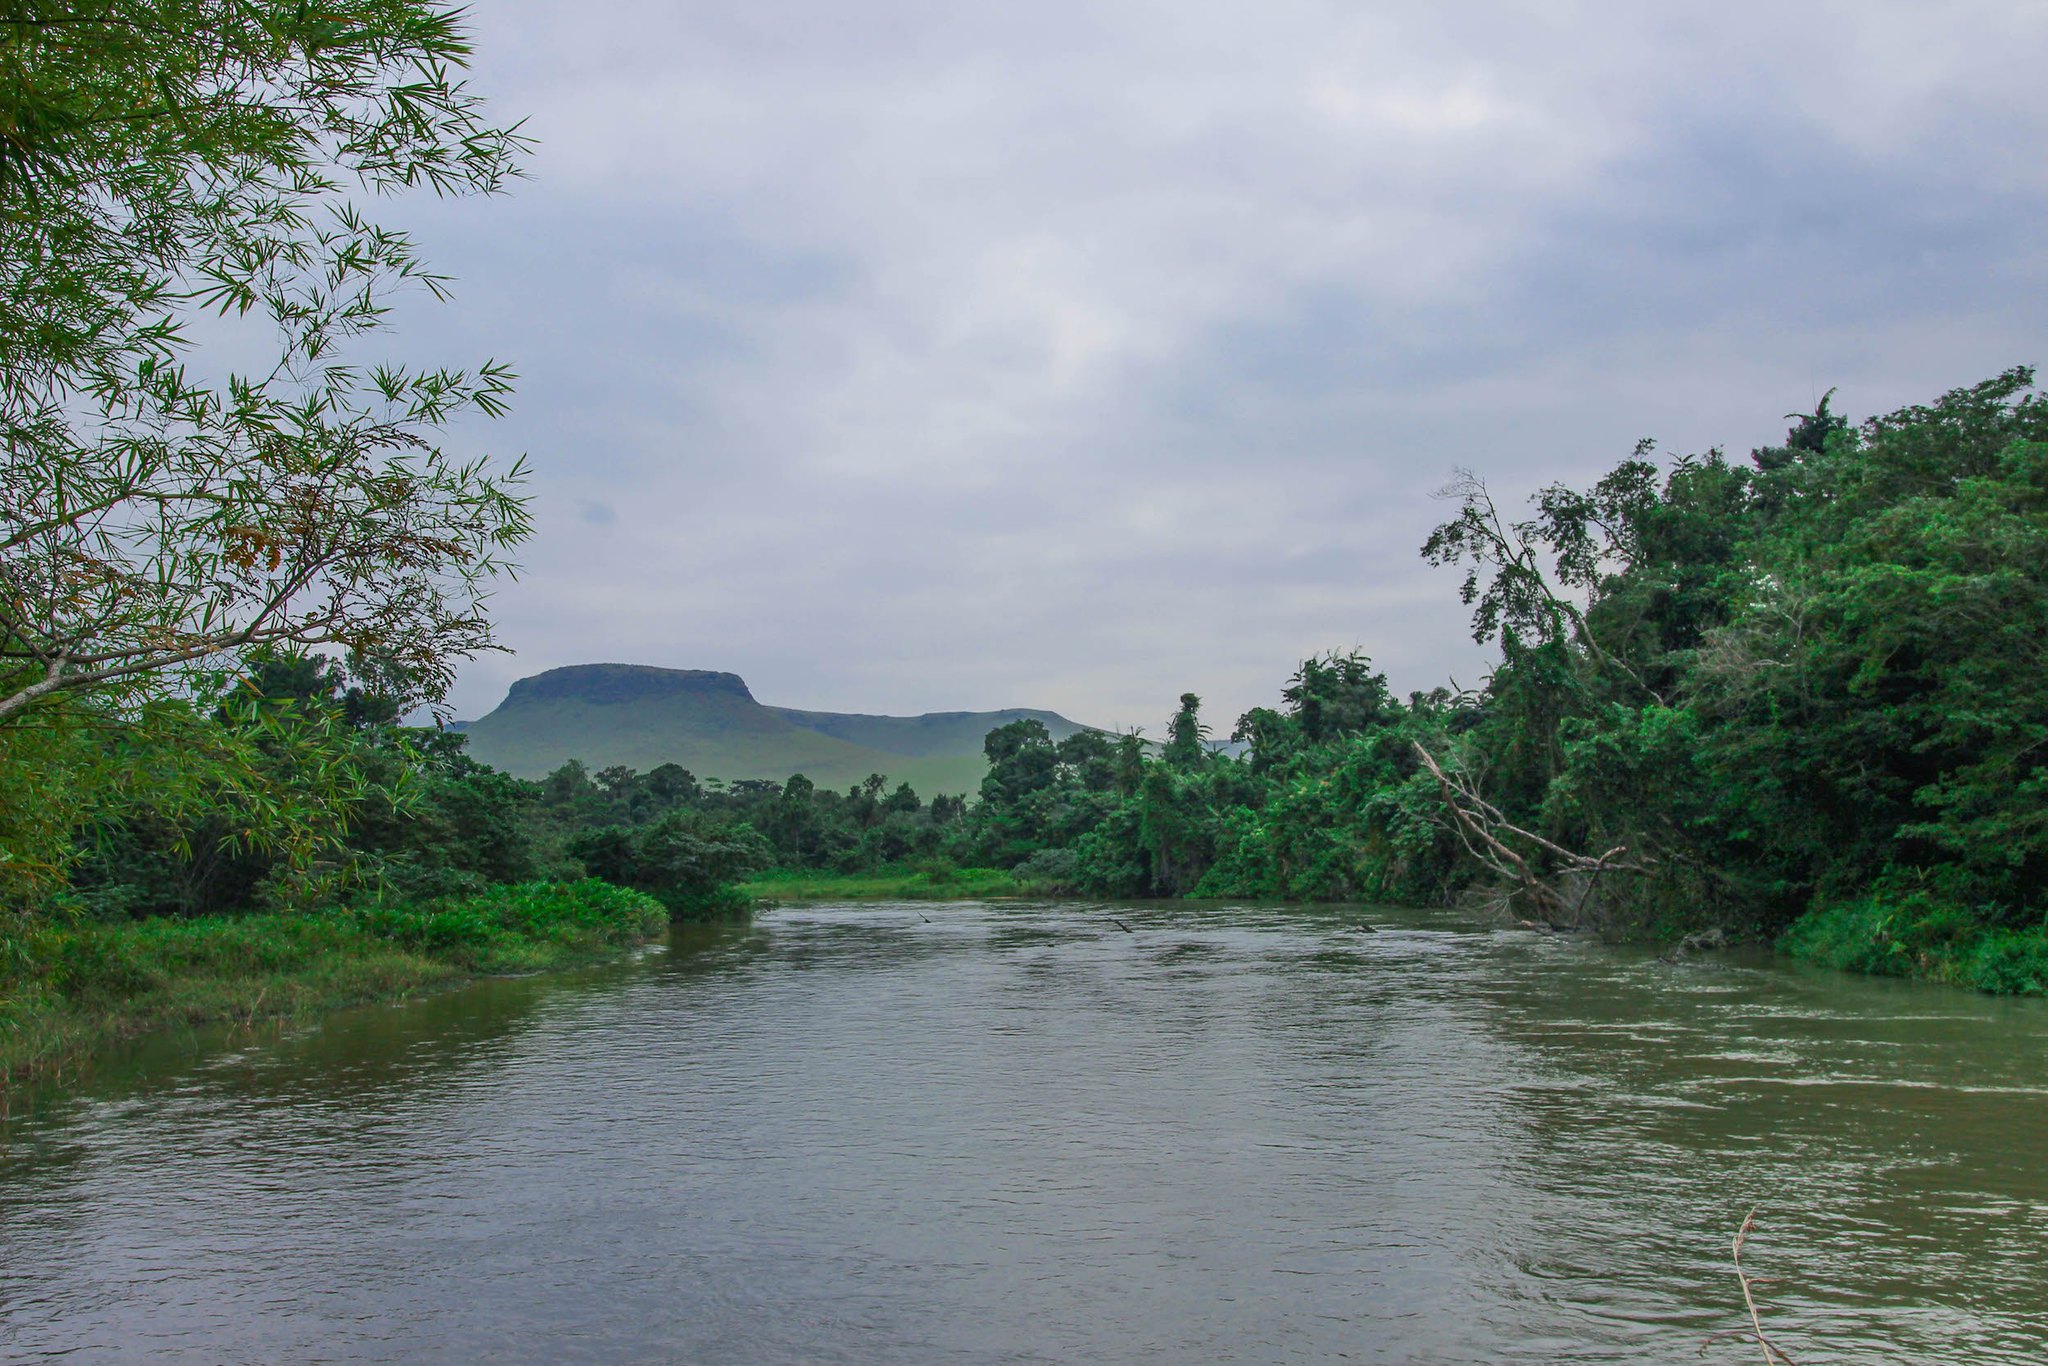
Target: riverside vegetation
x=1796 y=698
x=170 y=526
x=1792 y=698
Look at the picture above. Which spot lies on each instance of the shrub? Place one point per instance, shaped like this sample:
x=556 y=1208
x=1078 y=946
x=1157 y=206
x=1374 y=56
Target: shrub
x=2011 y=963
x=938 y=870
x=1920 y=934
x=718 y=903
x=1051 y=870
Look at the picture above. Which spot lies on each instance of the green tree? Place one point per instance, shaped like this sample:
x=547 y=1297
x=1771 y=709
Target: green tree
x=1090 y=757
x=1022 y=760
x=671 y=785
x=794 y=824
x=686 y=860
x=1186 y=736
x=164 y=159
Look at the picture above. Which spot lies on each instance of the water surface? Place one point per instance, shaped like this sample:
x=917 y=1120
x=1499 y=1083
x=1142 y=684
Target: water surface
x=1015 y=1133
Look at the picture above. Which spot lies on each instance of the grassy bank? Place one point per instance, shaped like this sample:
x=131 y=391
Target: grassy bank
x=942 y=883
x=71 y=989
x=1920 y=936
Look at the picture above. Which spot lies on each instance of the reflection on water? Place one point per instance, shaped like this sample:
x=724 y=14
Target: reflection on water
x=1018 y=1133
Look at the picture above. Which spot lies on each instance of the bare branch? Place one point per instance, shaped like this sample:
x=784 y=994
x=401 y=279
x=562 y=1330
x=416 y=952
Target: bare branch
x=1483 y=831
x=1773 y=1354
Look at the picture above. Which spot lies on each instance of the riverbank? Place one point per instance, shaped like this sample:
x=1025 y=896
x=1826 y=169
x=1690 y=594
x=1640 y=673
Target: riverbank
x=1919 y=936
x=73 y=989
x=940 y=883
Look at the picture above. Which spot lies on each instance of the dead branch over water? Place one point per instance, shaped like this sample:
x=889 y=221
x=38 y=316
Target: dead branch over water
x=1558 y=900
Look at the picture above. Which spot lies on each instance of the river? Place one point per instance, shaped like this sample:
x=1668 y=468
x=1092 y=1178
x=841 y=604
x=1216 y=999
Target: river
x=982 y=1133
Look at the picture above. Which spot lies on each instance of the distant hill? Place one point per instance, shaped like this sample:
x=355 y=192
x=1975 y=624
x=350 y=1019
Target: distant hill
x=640 y=716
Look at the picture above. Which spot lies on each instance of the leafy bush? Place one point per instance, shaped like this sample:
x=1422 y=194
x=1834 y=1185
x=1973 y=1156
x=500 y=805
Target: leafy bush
x=2011 y=963
x=723 y=902
x=1051 y=870
x=1920 y=934
x=587 y=913
x=937 y=870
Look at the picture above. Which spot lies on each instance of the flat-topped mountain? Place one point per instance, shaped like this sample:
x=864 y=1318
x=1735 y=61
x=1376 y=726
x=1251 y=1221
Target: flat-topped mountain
x=710 y=723
x=617 y=683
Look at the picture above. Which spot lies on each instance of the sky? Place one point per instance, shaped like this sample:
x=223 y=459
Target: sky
x=911 y=356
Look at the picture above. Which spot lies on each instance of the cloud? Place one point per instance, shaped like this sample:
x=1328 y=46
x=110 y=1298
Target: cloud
x=1076 y=355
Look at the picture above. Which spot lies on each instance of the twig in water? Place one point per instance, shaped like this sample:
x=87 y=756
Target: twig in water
x=249 y=1016
x=1120 y=925
x=1774 y=1355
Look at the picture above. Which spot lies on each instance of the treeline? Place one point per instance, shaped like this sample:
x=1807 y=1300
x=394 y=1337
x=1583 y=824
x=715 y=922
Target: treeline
x=287 y=844
x=336 y=801
x=1798 y=697
x=330 y=800
x=1324 y=799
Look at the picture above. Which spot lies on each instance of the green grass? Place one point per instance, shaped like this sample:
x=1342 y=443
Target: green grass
x=71 y=990
x=1917 y=935
x=937 y=883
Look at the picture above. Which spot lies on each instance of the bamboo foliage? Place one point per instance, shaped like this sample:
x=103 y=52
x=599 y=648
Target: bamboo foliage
x=172 y=172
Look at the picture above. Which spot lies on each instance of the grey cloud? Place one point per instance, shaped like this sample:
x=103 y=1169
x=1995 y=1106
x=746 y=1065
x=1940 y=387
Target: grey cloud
x=1076 y=355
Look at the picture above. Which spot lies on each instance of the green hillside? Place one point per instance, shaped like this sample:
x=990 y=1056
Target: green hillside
x=937 y=734
x=708 y=722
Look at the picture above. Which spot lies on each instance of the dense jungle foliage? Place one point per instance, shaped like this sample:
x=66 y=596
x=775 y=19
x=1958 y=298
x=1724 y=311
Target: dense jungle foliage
x=1798 y=697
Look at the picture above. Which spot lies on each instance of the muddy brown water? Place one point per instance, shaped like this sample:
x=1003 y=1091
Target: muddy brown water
x=981 y=1133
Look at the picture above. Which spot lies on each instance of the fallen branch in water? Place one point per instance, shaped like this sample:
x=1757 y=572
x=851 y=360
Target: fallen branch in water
x=1774 y=1355
x=1480 y=827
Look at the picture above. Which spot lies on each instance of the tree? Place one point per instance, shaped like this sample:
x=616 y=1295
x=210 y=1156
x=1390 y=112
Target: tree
x=672 y=785
x=1130 y=762
x=794 y=821
x=1022 y=760
x=164 y=159
x=1517 y=599
x=1090 y=755
x=685 y=860
x=1809 y=438
x=1185 y=734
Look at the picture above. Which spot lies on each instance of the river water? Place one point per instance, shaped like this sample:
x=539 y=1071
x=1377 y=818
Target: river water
x=976 y=1133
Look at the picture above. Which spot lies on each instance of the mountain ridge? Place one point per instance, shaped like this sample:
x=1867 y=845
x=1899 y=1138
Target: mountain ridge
x=709 y=722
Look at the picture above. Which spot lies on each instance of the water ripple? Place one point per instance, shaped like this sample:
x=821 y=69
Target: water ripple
x=1017 y=1134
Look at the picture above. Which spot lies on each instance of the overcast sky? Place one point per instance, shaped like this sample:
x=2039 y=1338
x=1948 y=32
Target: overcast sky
x=908 y=355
